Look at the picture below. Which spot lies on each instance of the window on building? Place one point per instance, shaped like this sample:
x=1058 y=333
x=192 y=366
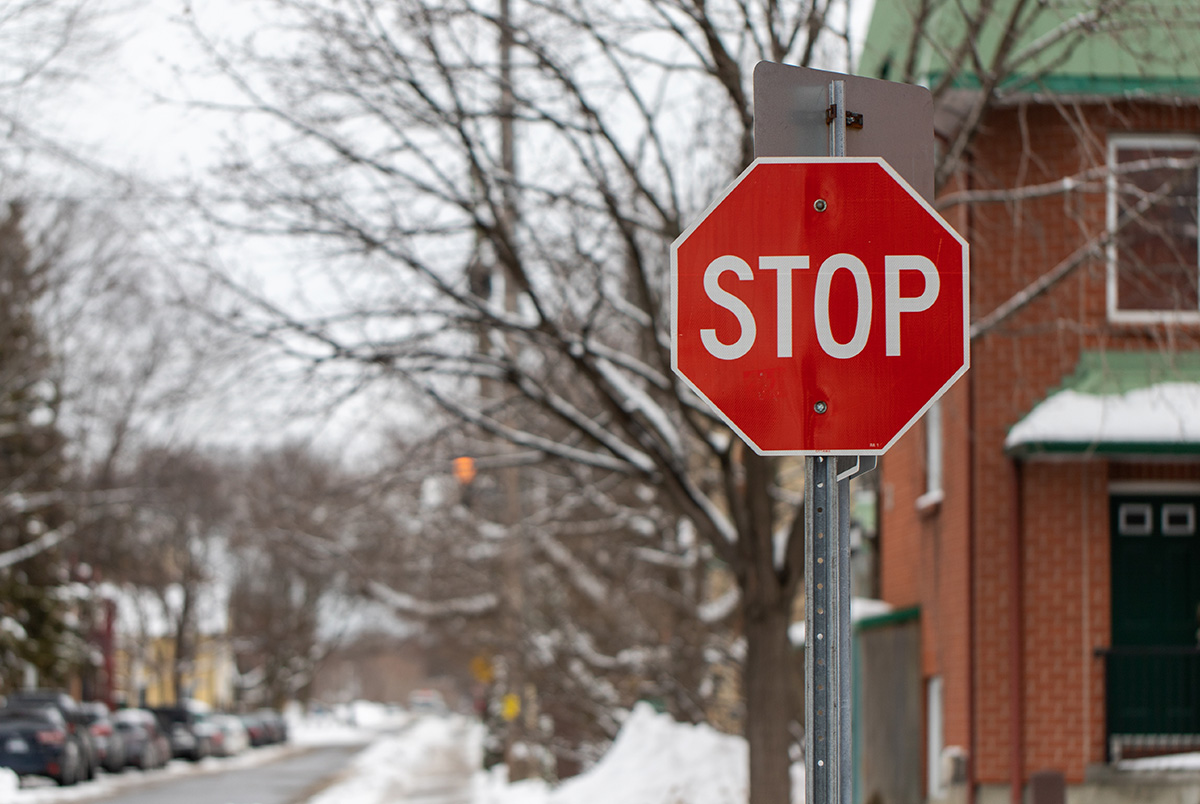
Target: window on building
x=1154 y=255
x=934 y=737
x=934 y=494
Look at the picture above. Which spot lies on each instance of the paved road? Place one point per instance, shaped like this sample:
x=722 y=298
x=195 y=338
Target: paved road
x=290 y=780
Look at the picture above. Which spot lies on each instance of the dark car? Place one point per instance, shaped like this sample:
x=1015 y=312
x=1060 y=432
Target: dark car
x=146 y=744
x=256 y=729
x=68 y=707
x=276 y=725
x=187 y=728
x=110 y=743
x=36 y=741
x=265 y=727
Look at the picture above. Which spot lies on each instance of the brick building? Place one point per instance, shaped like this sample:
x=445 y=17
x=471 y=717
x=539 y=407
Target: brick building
x=1043 y=515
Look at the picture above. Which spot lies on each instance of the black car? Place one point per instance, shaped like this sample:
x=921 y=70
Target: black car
x=69 y=708
x=36 y=741
x=187 y=728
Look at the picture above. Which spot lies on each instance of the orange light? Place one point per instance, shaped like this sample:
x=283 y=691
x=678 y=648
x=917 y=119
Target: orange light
x=464 y=469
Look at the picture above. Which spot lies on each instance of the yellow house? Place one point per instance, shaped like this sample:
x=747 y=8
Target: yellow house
x=144 y=656
x=143 y=672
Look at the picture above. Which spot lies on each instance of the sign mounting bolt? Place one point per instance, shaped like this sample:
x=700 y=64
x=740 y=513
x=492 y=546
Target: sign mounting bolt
x=819 y=205
x=821 y=407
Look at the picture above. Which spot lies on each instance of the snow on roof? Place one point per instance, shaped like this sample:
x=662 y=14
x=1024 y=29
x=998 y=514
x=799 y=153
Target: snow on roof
x=1163 y=416
x=1171 y=762
x=861 y=608
x=1118 y=402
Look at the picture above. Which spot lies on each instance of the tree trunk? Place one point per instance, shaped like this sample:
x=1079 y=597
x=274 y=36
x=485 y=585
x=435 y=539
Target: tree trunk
x=770 y=702
x=768 y=586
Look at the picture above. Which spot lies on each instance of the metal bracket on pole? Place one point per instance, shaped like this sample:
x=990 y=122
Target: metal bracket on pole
x=862 y=464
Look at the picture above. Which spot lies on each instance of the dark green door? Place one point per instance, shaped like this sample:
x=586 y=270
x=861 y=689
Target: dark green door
x=1154 y=666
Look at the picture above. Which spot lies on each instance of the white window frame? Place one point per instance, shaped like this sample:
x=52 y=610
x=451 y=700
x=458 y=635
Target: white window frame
x=935 y=737
x=1115 y=143
x=1188 y=510
x=1146 y=510
x=934 y=459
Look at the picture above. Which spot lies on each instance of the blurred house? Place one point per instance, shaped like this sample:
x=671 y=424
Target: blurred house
x=373 y=667
x=144 y=655
x=1043 y=516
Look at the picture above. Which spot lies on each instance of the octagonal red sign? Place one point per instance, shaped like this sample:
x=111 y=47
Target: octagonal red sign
x=820 y=306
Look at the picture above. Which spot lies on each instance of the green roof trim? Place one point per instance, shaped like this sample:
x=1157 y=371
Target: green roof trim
x=1144 y=403
x=1126 y=449
x=1150 y=48
x=1090 y=85
x=896 y=617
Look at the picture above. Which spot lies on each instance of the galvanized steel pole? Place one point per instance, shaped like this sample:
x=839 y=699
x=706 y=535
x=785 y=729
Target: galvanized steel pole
x=827 y=662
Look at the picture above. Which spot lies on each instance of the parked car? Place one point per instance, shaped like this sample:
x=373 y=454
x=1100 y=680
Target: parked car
x=427 y=702
x=68 y=707
x=146 y=744
x=110 y=743
x=234 y=737
x=188 y=729
x=37 y=741
x=256 y=729
x=277 y=729
x=265 y=727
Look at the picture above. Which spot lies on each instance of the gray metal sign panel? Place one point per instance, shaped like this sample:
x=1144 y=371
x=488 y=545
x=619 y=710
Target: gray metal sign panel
x=897 y=119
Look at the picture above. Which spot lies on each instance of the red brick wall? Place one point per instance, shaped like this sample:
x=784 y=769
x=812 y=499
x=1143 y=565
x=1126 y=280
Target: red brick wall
x=1064 y=552
x=1065 y=612
x=925 y=554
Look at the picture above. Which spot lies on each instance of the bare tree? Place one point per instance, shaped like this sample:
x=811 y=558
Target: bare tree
x=44 y=46
x=493 y=189
x=178 y=524
x=579 y=586
x=292 y=508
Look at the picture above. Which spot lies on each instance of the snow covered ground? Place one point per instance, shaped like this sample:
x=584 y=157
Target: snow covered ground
x=351 y=726
x=653 y=761
x=422 y=758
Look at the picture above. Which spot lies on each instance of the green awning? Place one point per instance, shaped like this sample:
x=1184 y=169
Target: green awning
x=1117 y=403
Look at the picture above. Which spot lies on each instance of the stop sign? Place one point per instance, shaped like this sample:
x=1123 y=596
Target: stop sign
x=820 y=306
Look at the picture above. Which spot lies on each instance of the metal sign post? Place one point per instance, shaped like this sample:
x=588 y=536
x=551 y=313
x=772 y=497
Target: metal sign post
x=827 y=662
x=828 y=762
x=800 y=112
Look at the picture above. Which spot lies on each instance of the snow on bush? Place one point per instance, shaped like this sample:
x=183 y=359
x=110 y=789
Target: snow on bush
x=654 y=760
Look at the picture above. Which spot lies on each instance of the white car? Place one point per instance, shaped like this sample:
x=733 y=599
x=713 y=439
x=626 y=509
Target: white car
x=234 y=737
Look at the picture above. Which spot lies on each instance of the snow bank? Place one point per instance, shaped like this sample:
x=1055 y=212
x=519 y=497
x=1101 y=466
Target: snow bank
x=392 y=767
x=654 y=760
x=9 y=783
x=658 y=761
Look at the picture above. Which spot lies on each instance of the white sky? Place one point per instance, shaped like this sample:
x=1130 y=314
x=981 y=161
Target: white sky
x=114 y=115
x=117 y=115
x=120 y=118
